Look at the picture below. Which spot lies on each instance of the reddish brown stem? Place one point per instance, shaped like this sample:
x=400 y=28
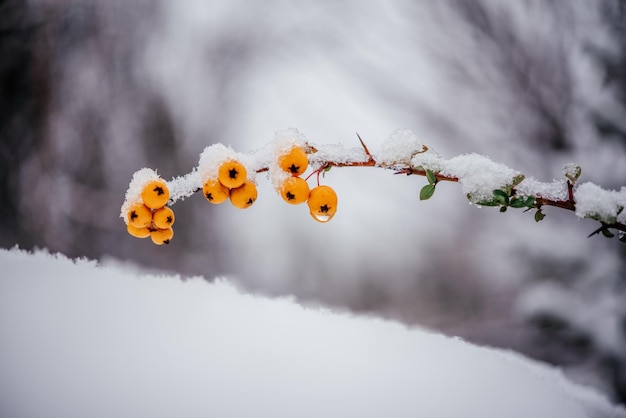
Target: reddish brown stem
x=568 y=204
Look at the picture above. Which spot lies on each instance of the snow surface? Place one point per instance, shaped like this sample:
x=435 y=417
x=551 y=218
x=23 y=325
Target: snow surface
x=79 y=339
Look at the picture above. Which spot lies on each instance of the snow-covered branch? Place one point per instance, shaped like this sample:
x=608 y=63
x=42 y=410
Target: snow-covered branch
x=483 y=181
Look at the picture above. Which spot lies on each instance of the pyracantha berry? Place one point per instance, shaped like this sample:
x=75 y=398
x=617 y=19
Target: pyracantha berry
x=163 y=218
x=139 y=216
x=294 y=162
x=138 y=232
x=215 y=192
x=244 y=196
x=322 y=203
x=294 y=190
x=155 y=194
x=232 y=174
x=162 y=236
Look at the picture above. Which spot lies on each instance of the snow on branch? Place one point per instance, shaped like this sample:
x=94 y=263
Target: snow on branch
x=223 y=173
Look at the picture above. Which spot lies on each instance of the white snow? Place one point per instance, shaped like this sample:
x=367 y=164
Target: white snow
x=479 y=176
x=592 y=201
x=212 y=157
x=184 y=186
x=399 y=149
x=284 y=141
x=337 y=153
x=135 y=187
x=555 y=190
x=84 y=340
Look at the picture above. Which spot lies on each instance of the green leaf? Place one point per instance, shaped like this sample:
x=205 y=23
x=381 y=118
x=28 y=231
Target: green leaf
x=607 y=233
x=493 y=202
x=539 y=215
x=430 y=176
x=522 y=202
x=622 y=237
x=518 y=179
x=503 y=209
x=501 y=197
x=427 y=192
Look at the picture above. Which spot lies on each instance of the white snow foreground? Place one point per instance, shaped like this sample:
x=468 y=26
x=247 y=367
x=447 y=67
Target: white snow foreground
x=82 y=340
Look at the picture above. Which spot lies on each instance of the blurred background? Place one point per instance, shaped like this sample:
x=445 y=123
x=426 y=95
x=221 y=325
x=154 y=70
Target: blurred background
x=93 y=90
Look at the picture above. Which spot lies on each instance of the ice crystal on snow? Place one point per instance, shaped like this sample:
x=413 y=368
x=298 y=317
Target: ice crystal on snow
x=184 y=186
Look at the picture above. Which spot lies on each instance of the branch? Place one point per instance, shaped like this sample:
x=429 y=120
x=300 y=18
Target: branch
x=484 y=182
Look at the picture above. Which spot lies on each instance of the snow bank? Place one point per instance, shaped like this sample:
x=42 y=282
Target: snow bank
x=82 y=340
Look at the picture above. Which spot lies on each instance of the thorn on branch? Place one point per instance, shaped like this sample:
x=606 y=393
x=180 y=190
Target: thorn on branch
x=367 y=152
x=604 y=230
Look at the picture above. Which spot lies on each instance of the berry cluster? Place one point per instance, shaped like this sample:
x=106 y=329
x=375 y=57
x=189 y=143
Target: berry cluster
x=231 y=183
x=322 y=200
x=223 y=174
x=151 y=217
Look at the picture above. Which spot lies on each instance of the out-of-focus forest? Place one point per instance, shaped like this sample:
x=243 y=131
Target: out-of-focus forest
x=93 y=90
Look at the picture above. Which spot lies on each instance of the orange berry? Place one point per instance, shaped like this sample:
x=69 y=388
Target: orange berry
x=155 y=194
x=215 y=192
x=232 y=174
x=138 y=232
x=243 y=196
x=139 y=216
x=163 y=218
x=294 y=190
x=294 y=162
x=162 y=236
x=322 y=203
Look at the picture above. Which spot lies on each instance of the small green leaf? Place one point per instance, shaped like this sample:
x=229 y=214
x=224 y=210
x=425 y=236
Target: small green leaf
x=493 y=202
x=522 y=202
x=427 y=192
x=622 y=237
x=518 y=179
x=503 y=209
x=501 y=197
x=607 y=233
x=430 y=176
x=539 y=215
